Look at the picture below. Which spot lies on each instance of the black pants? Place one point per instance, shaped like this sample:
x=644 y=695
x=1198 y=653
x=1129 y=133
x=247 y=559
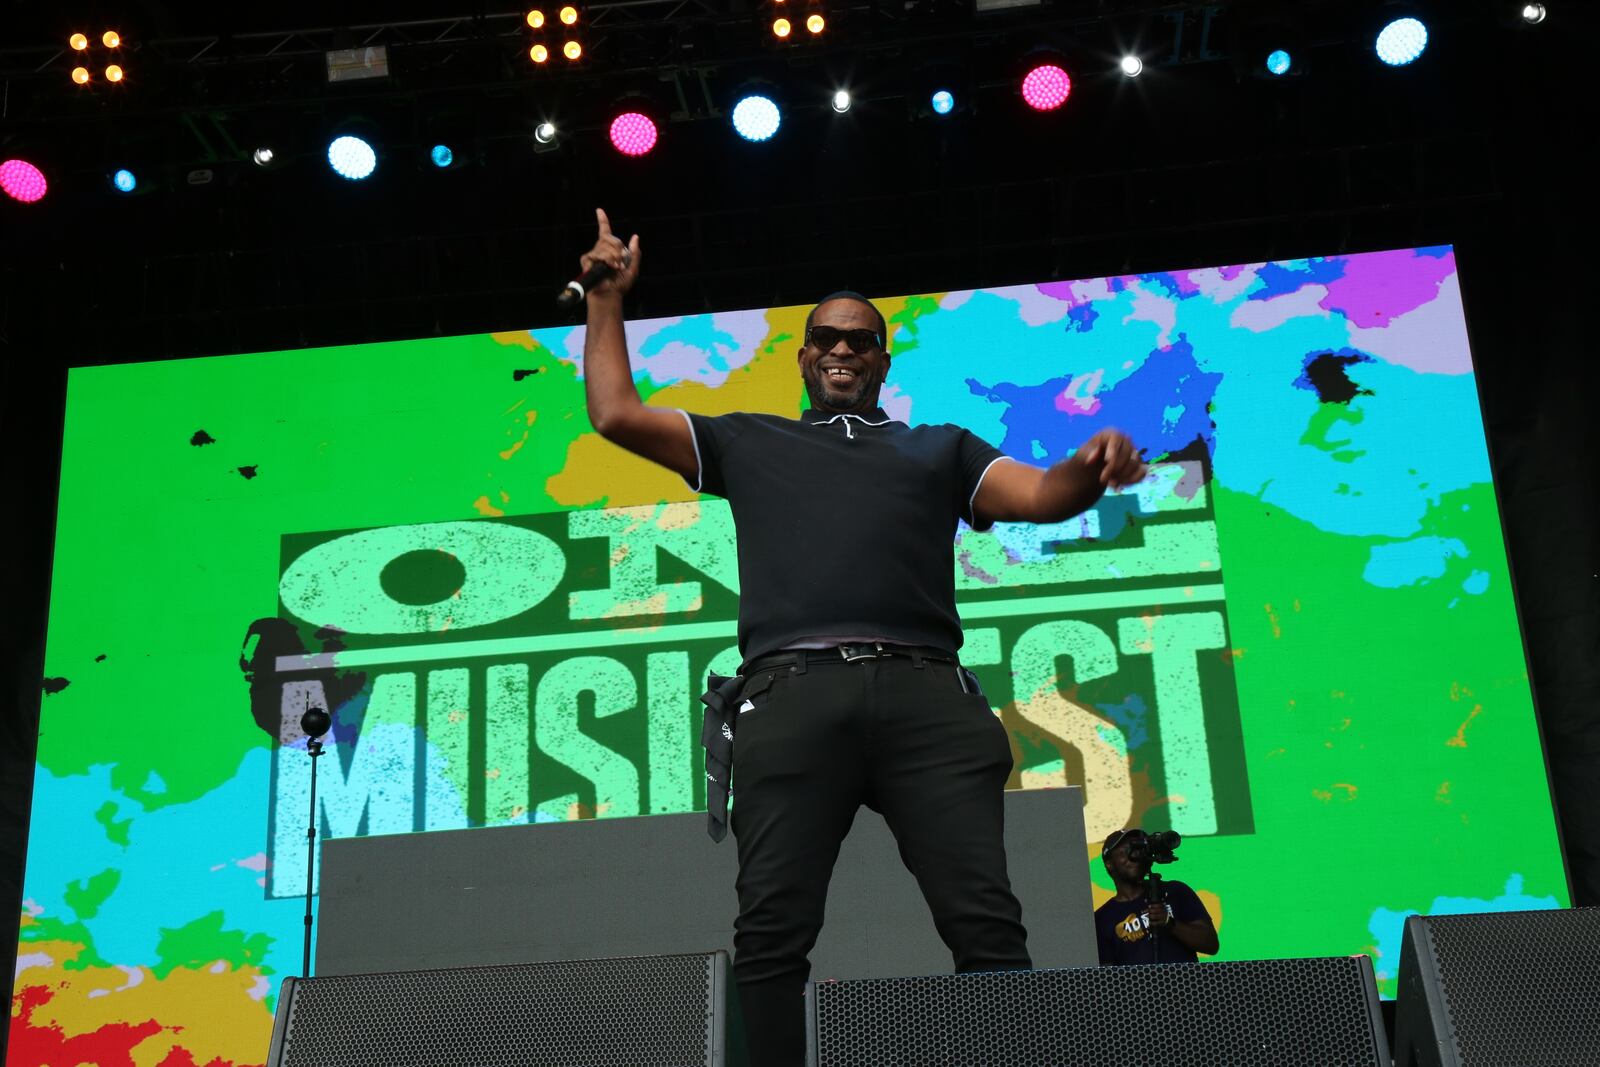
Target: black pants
x=811 y=747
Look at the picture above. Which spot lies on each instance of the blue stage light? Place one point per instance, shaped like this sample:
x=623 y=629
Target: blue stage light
x=1401 y=41
x=351 y=157
x=756 y=118
x=124 y=181
x=442 y=156
x=943 y=102
x=1279 y=62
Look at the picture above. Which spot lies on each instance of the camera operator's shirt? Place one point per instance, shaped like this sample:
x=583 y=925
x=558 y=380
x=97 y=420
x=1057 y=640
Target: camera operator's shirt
x=1122 y=930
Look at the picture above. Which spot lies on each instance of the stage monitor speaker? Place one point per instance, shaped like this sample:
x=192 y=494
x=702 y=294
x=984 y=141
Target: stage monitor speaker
x=1266 y=1012
x=660 y=1011
x=1499 y=988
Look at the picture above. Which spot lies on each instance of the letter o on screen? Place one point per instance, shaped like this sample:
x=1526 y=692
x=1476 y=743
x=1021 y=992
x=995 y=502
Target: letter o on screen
x=338 y=583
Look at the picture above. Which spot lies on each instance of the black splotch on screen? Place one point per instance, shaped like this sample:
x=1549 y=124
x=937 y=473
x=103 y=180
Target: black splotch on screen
x=202 y=438
x=518 y=375
x=1327 y=375
x=248 y=472
x=55 y=685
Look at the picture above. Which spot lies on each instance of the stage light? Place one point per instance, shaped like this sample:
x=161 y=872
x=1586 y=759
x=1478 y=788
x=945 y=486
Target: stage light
x=80 y=75
x=536 y=19
x=781 y=27
x=569 y=15
x=124 y=181
x=1401 y=41
x=442 y=156
x=262 y=156
x=572 y=50
x=110 y=39
x=1533 y=14
x=943 y=102
x=1046 y=87
x=113 y=73
x=78 y=42
x=756 y=118
x=1278 y=62
x=815 y=23
x=841 y=101
x=1132 y=66
x=539 y=53
x=633 y=134
x=21 y=180
x=545 y=133
x=351 y=157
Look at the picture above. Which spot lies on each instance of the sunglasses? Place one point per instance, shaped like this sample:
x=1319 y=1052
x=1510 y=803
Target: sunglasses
x=860 y=341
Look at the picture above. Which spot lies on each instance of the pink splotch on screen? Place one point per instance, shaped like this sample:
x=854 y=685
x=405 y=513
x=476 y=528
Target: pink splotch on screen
x=1379 y=286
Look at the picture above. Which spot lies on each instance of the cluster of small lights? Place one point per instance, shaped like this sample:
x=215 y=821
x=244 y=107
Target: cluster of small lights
x=1278 y=62
x=441 y=155
x=756 y=118
x=1402 y=41
x=351 y=157
x=112 y=40
x=943 y=101
x=21 y=180
x=570 y=48
x=1046 y=87
x=124 y=181
x=632 y=133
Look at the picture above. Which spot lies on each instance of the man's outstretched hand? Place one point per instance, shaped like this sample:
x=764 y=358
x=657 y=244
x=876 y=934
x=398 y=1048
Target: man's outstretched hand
x=623 y=259
x=1112 y=456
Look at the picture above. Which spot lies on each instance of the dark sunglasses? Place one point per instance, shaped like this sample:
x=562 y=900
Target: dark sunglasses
x=860 y=341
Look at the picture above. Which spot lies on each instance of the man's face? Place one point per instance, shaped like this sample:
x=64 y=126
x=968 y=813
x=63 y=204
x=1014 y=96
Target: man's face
x=838 y=379
x=1123 y=868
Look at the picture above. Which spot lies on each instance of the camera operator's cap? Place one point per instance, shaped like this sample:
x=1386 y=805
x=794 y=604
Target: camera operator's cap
x=1114 y=839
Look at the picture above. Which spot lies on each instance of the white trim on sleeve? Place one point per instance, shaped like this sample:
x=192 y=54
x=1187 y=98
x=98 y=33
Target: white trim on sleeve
x=699 y=466
x=972 y=516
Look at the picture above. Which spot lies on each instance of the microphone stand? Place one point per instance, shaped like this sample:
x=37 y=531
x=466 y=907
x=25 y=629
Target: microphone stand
x=315 y=723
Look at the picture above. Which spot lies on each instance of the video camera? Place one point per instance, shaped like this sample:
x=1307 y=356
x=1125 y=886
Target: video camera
x=1157 y=847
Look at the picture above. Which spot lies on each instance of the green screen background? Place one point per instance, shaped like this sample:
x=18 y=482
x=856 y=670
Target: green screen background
x=1297 y=644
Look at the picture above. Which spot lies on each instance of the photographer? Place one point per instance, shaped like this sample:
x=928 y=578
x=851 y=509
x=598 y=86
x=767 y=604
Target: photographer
x=1151 y=919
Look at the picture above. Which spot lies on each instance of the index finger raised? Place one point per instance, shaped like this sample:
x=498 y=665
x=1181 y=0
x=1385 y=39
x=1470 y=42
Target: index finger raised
x=605 y=223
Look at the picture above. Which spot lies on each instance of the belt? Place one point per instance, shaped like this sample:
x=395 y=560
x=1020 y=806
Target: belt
x=803 y=657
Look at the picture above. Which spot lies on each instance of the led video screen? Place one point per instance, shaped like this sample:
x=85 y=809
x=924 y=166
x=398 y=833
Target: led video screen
x=1295 y=643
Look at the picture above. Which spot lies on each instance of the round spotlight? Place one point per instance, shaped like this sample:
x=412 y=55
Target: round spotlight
x=113 y=73
x=1132 y=66
x=442 y=156
x=569 y=15
x=536 y=19
x=943 y=102
x=351 y=157
x=781 y=27
x=1401 y=41
x=841 y=101
x=1533 y=14
x=633 y=134
x=1046 y=87
x=110 y=39
x=21 y=180
x=262 y=156
x=572 y=49
x=1278 y=62
x=545 y=132
x=816 y=23
x=757 y=118
x=539 y=53
x=80 y=75
x=124 y=181
x=78 y=42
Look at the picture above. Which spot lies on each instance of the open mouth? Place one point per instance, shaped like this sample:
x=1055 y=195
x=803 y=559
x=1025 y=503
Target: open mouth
x=839 y=376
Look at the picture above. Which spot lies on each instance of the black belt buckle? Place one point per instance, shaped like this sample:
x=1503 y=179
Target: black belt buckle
x=857 y=653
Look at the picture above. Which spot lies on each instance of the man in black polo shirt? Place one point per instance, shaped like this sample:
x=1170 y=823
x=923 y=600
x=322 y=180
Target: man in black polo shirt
x=852 y=692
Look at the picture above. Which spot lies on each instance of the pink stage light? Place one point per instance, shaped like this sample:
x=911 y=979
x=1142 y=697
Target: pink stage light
x=1046 y=87
x=633 y=134
x=22 y=181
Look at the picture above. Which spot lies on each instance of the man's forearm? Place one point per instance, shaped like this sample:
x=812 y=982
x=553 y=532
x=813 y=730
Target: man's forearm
x=607 y=376
x=1196 y=935
x=1068 y=488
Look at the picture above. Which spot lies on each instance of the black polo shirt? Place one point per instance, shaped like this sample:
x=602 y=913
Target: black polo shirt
x=845 y=523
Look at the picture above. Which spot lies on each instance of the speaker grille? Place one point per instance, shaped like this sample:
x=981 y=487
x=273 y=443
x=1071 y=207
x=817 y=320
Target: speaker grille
x=1521 y=985
x=1268 y=1012
x=648 y=1010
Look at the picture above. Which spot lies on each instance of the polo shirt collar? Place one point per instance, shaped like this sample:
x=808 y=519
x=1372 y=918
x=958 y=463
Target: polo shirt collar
x=814 y=417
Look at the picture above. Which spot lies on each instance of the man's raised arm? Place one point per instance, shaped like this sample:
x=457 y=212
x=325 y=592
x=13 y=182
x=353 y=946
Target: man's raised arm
x=615 y=410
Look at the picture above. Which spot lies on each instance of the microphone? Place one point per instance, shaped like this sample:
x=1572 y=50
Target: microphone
x=579 y=287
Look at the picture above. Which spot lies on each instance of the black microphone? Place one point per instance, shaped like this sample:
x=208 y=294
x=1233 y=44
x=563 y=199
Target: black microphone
x=579 y=287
